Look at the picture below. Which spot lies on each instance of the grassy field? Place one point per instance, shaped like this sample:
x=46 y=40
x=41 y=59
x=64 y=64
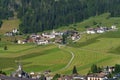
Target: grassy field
x=9 y=25
x=102 y=20
x=48 y=57
x=100 y=49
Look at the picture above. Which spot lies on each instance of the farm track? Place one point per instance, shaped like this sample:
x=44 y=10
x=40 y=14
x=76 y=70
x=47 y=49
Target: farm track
x=70 y=61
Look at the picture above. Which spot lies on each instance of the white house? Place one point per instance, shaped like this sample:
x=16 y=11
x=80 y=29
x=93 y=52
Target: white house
x=41 y=42
x=35 y=75
x=91 y=31
x=78 y=77
x=15 y=31
x=8 y=34
x=57 y=33
x=96 y=76
x=49 y=77
x=73 y=37
x=100 y=31
x=20 y=42
x=113 y=27
x=51 y=36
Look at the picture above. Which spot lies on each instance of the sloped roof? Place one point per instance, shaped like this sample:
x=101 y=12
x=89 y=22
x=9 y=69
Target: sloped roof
x=13 y=78
x=100 y=75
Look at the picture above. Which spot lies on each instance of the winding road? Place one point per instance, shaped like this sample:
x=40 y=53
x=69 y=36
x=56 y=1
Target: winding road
x=70 y=60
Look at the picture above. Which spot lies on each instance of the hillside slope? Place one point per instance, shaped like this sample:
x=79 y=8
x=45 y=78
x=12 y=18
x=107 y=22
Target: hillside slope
x=101 y=49
x=101 y=20
x=9 y=25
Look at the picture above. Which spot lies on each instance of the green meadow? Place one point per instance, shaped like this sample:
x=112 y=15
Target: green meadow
x=9 y=25
x=33 y=58
x=101 y=49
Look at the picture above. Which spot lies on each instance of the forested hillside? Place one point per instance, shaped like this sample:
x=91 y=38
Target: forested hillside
x=40 y=15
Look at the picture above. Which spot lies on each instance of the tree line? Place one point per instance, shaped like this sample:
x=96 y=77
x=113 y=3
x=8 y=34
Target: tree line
x=40 y=15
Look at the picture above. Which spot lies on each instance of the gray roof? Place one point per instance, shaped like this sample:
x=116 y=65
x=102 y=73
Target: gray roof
x=13 y=78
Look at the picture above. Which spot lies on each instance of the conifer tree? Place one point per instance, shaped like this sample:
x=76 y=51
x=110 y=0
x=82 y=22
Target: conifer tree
x=5 y=48
x=74 y=70
x=94 y=68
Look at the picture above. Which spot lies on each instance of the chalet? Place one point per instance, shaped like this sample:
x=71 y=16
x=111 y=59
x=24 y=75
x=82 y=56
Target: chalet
x=111 y=69
x=75 y=36
x=49 y=77
x=3 y=77
x=91 y=31
x=113 y=27
x=66 y=77
x=42 y=42
x=78 y=77
x=58 y=40
x=108 y=70
x=19 y=41
x=8 y=34
x=96 y=76
x=12 y=33
x=70 y=32
x=15 y=31
x=51 y=36
x=100 y=30
x=34 y=75
x=31 y=40
x=95 y=30
x=57 y=33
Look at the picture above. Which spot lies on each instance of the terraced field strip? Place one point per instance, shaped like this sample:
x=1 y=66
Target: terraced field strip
x=53 y=60
x=24 y=51
x=85 y=58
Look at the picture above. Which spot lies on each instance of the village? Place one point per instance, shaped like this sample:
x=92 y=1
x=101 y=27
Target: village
x=104 y=74
x=57 y=36
x=59 y=39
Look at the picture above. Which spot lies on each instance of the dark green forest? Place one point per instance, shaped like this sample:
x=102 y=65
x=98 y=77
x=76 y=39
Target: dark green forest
x=40 y=15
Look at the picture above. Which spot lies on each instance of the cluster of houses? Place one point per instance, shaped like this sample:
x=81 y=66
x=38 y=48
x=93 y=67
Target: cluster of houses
x=56 y=37
x=53 y=37
x=100 y=29
x=12 y=33
x=20 y=74
x=103 y=75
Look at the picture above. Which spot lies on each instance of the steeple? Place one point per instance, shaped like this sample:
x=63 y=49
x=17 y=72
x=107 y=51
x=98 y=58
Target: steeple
x=19 y=66
x=53 y=32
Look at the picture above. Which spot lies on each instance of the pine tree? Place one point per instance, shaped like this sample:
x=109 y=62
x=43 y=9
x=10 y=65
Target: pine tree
x=1 y=23
x=56 y=76
x=64 y=37
x=1 y=72
x=94 y=68
x=74 y=70
x=117 y=68
x=5 y=48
